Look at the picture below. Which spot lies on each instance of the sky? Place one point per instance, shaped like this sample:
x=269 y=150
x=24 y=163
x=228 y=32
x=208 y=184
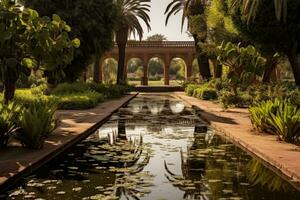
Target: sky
x=173 y=30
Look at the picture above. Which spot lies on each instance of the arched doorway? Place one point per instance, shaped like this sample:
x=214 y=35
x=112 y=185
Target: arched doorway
x=109 y=70
x=156 y=68
x=135 y=71
x=177 y=71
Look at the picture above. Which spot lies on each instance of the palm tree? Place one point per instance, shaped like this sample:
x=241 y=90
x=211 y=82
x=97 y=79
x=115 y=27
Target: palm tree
x=130 y=11
x=250 y=8
x=192 y=8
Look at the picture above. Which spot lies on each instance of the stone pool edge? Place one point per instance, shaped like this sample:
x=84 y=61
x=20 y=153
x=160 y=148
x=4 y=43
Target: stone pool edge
x=282 y=168
x=52 y=153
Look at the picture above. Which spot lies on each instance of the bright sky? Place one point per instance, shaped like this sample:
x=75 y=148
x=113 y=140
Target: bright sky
x=173 y=30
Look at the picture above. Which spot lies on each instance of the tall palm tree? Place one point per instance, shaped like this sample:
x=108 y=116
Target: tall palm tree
x=250 y=8
x=130 y=11
x=192 y=8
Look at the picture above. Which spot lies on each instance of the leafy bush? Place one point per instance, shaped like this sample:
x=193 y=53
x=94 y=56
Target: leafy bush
x=70 y=88
x=8 y=117
x=279 y=117
x=205 y=93
x=79 y=101
x=110 y=91
x=26 y=98
x=36 y=123
x=189 y=90
x=241 y=100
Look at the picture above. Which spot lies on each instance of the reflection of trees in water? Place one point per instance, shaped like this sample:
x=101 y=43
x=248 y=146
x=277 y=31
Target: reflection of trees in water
x=259 y=175
x=205 y=172
x=192 y=169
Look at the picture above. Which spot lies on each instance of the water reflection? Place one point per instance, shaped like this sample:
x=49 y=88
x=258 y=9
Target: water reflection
x=258 y=175
x=176 y=107
x=154 y=149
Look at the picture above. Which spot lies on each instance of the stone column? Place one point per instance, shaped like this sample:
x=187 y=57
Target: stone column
x=189 y=67
x=167 y=70
x=145 y=70
x=167 y=74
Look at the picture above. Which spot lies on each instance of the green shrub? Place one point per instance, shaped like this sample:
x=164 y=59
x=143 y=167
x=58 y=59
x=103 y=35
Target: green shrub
x=110 y=91
x=8 y=118
x=36 y=123
x=189 y=90
x=70 y=88
x=26 y=98
x=79 y=101
x=205 y=93
x=261 y=112
x=279 y=117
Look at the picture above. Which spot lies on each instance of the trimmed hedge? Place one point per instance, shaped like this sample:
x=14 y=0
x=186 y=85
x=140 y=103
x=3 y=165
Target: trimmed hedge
x=79 y=101
x=201 y=92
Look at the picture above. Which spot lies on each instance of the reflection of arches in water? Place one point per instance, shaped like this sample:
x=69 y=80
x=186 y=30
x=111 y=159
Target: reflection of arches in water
x=176 y=107
x=156 y=107
x=136 y=107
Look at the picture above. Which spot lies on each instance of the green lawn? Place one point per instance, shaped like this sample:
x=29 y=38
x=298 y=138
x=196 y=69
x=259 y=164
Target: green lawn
x=155 y=83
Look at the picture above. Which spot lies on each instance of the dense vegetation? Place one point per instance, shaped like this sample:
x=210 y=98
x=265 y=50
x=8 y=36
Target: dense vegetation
x=252 y=44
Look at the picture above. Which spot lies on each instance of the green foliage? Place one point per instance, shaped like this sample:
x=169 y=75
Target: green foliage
x=9 y=115
x=190 y=88
x=205 y=93
x=245 y=63
x=93 y=23
x=279 y=117
x=228 y=99
x=110 y=91
x=157 y=37
x=77 y=101
x=36 y=123
x=70 y=88
x=29 y=41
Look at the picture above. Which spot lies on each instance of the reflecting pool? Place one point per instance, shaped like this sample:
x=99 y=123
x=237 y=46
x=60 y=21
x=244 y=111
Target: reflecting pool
x=154 y=148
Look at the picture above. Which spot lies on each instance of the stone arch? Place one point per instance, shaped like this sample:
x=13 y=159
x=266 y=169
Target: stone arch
x=160 y=70
x=107 y=70
x=133 y=74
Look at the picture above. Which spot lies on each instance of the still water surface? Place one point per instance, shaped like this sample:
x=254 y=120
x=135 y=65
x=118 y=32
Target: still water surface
x=154 y=148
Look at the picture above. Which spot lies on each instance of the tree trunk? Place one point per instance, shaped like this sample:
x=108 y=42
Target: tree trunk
x=269 y=69
x=217 y=68
x=202 y=60
x=96 y=74
x=121 y=39
x=9 y=90
x=292 y=56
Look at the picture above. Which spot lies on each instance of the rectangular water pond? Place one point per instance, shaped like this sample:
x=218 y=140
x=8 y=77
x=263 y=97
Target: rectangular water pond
x=154 y=148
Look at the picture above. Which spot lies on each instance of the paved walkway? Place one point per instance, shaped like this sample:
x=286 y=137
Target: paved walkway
x=74 y=126
x=235 y=124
